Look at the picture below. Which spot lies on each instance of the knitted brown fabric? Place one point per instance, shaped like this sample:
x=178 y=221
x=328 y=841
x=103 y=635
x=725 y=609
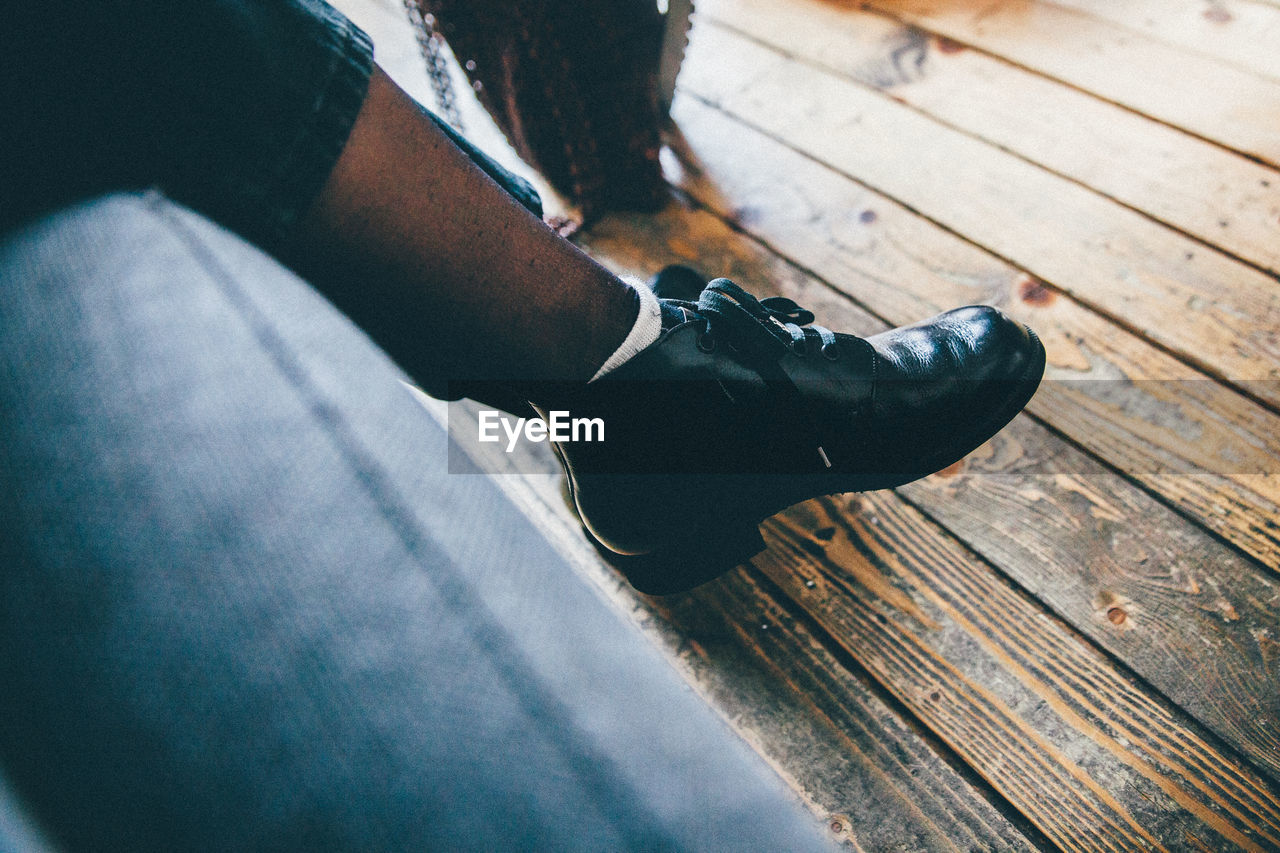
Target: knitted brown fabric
x=573 y=85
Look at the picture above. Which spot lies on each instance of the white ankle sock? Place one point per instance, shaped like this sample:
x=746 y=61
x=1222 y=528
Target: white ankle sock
x=647 y=327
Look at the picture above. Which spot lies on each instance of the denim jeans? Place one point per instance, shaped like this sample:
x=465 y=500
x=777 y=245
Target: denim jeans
x=243 y=605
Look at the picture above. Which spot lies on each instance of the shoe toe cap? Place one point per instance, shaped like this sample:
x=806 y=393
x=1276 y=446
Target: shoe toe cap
x=956 y=364
x=972 y=344
x=946 y=385
x=989 y=345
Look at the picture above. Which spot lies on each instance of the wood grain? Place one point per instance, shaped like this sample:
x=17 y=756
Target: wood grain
x=1116 y=261
x=1081 y=750
x=1192 y=185
x=788 y=693
x=1197 y=93
x=1243 y=34
x=1080 y=537
x=1202 y=447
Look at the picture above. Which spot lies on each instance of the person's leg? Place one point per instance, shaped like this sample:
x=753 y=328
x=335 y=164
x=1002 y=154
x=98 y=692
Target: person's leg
x=243 y=606
x=450 y=274
x=244 y=110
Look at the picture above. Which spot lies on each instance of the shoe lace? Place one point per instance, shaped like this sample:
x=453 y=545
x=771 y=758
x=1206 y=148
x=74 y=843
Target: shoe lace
x=761 y=327
x=764 y=330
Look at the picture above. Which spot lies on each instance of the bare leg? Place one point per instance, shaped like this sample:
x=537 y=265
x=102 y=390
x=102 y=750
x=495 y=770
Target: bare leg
x=453 y=277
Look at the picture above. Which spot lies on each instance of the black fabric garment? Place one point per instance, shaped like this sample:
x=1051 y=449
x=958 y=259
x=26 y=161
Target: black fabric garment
x=237 y=108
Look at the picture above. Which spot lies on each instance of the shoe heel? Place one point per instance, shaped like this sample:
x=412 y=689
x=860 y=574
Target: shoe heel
x=679 y=567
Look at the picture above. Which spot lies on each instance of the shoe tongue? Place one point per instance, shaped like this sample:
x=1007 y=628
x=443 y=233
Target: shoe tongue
x=674 y=313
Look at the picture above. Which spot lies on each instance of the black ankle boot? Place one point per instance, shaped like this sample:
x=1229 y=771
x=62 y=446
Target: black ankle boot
x=742 y=408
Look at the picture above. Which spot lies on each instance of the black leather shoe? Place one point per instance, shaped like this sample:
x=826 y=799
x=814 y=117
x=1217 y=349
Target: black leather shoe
x=742 y=408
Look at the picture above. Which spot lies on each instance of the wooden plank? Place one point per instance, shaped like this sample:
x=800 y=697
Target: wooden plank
x=1060 y=524
x=1243 y=34
x=1091 y=759
x=1112 y=259
x=1192 y=185
x=1199 y=94
x=875 y=782
x=1167 y=421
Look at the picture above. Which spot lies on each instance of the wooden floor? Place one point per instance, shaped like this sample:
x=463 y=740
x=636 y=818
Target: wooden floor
x=1072 y=638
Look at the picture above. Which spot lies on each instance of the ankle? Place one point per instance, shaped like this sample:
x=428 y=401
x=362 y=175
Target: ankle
x=645 y=329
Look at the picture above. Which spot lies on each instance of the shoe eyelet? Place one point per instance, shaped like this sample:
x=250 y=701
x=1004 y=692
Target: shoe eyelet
x=706 y=343
x=799 y=348
x=831 y=351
